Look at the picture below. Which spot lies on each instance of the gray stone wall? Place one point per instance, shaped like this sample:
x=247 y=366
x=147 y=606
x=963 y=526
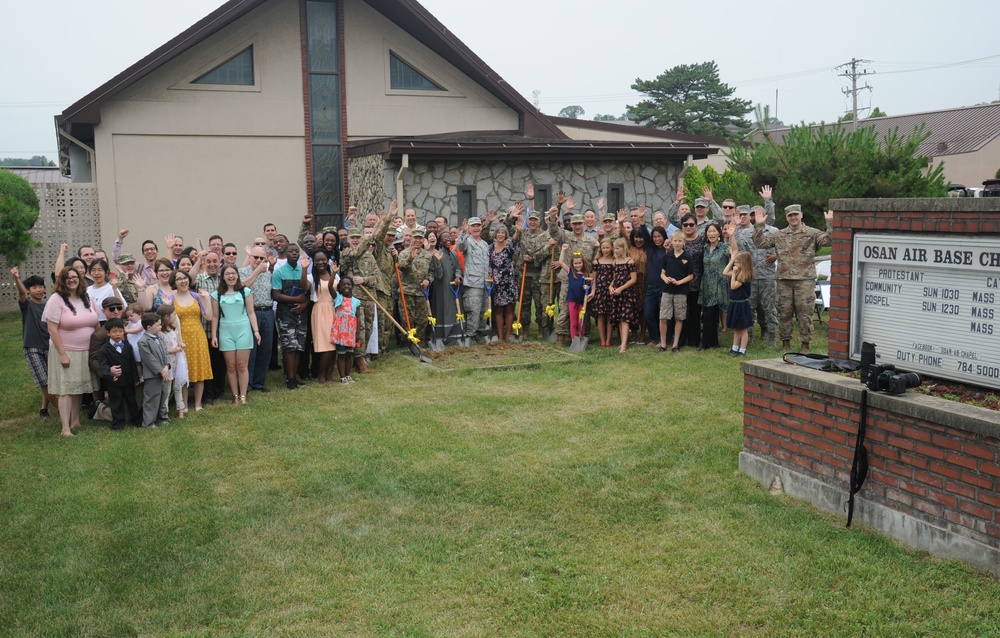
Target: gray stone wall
x=432 y=187
x=365 y=183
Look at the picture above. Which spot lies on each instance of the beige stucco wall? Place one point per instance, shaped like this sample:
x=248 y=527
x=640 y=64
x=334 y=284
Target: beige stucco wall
x=374 y=110
x=972 y=168
x=172 y=158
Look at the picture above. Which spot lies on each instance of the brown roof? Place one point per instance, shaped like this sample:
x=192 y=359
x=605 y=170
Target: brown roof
x=487 y=145
x=953 y=131
x=408 y=14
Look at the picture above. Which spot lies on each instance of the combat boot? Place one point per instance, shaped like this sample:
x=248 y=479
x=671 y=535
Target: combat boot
x=771 y=341
x=561 y=340
x=361 y=366
x=805 y=347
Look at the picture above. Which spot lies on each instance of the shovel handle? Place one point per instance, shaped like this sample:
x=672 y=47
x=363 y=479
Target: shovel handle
x=379 y=306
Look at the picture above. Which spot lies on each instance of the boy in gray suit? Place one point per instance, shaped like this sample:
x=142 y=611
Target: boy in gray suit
x=155 y=372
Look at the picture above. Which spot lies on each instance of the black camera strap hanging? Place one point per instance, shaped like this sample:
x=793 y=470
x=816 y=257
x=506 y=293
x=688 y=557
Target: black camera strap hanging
x=859 y=468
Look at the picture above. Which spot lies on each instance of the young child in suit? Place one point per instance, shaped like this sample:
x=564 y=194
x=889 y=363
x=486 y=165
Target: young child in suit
x=155 y=372
x=117 y=367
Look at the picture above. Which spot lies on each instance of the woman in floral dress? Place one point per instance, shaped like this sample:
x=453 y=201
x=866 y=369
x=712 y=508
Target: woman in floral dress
x=505 y=280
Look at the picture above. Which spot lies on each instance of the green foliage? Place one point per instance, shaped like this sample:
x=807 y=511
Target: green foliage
x=572 y=112
x=690 y=98
x=811 y=166
x=997 y=174
x=607 y=117
x=877 y=112
x=735 y=186
x=37 y=160
x=18 y=214
x=694 y=183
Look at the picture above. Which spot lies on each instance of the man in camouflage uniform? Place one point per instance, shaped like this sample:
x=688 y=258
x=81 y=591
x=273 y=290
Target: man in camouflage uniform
x=126 y=286
x=417 y=273
x=796 y=246
x=536 y=252
x=578 y=243
x=358 y=263
x=385 y=257
x=763 y=302
x=701 y=207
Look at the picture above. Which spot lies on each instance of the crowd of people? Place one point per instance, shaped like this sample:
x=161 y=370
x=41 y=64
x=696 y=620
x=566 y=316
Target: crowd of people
x=122 y=336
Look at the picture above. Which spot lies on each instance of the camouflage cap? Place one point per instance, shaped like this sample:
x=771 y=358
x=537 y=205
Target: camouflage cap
x=125 y=258
x=742 y=208
x=328 y=229
x=354 y=232
x=608 y=217
x=793 y=209
x=475 y=221
x=701 y=201
x=535 y=215
x=576 y=219
x=418 y=232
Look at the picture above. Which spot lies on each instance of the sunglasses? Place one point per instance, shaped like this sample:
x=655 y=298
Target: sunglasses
x=115 y=308
x=729 y=207
x=230 y=254
x=255 y=257
x=260 y=243
x=688 y=225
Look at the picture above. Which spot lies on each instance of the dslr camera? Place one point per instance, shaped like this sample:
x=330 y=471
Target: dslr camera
x=883 y=377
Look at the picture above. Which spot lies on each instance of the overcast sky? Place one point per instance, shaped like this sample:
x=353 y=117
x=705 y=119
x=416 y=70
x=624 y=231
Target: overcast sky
x=924 y=55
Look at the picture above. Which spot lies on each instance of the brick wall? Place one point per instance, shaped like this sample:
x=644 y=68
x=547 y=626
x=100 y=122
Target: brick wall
x=935 y=217
x=932 y=461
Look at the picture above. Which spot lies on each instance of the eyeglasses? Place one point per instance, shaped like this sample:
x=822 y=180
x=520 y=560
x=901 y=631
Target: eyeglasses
x=69 y=279
x=149 y=250
x=115 y=308
x=728 y=207
x=260 y=243
x=165 y=270
x=230 y=254
x=254 y=256
x=689 y=225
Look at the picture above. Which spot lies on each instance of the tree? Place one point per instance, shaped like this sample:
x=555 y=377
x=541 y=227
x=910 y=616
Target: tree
x=37 y=160
x=876 y=112
x=997 y=175
x=601 y=117
x=572 y=112
x=690 y=98
x=18 y=214
x=813 y=165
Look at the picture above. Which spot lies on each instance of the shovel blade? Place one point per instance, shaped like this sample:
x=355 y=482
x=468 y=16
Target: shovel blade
x=551 y=335
x=579 y=344
x=436 y=345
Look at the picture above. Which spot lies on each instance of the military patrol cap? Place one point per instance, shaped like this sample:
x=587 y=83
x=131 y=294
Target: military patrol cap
x=390 y=231
x=756 y=208
x=535 y=215
x=328 y=229
x=475 y=221
x=576 y=219
x=701 y=201
x=743 y=208
x=793 y=209
x=418 y=232
x=354 y=232
x=608 y=217
x=125 y=258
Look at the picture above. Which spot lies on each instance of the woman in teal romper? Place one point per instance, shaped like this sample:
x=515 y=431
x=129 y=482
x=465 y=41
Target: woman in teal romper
x=234 y=330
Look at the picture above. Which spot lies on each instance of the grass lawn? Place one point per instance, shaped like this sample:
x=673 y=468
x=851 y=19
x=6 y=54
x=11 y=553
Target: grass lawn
x=594 y=497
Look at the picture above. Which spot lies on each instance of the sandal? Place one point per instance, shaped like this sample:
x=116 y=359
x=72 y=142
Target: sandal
x=243 y=399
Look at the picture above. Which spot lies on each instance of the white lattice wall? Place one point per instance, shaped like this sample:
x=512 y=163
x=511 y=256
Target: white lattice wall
x=68 y=213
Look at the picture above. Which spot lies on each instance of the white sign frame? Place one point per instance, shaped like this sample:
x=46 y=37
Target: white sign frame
x=930 y=304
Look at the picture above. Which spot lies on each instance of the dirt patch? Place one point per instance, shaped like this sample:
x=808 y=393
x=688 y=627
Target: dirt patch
x=953 y=391
x=497 y=355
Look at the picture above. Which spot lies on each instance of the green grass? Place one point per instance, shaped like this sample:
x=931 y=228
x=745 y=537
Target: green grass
x=600 y=498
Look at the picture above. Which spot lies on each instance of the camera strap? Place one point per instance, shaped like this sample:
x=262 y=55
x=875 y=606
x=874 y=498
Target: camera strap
x=859 y=467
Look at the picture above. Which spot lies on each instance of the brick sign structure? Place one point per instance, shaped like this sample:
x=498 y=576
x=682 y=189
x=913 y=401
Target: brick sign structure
x=934 y=479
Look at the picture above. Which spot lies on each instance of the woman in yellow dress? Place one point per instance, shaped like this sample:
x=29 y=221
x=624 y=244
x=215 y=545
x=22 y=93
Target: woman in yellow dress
x=190 y=309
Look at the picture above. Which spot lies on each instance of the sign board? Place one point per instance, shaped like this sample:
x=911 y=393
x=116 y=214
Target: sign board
x=930 y=304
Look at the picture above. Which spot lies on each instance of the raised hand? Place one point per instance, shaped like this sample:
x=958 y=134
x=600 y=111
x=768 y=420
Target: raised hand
x=561 y=197
x=123 y=233
x=204 y=294
x=393 y=207
x=15 y=273
x=765 y=191
x=681 y=193
x=602 y=205
x=706 y=192
x=307 y=219
x=622 y=214
x=170 y=240
x=760 y=216
x=570 y=203
x=828 y=215
x=529 y=191
x=304 y=261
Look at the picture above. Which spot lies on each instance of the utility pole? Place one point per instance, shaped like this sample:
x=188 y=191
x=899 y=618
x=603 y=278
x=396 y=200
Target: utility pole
x=851 y=71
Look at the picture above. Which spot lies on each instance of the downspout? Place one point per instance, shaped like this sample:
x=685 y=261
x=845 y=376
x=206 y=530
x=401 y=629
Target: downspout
x=404 y=168
x=91 y=154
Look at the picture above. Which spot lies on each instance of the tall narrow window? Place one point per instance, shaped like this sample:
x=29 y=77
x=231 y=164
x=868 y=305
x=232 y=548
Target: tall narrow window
x=616 y=197
x=325 y=111
x=404 y=76
x=237 y=70
x=543 y=198
x=466 y=202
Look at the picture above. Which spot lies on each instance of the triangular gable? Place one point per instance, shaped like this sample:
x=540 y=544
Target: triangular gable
x=237 y=70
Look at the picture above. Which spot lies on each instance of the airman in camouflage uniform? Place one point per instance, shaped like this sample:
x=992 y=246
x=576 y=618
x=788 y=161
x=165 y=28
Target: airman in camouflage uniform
x=358 y=263
x=578 y=243
x=385 y=257
x=536 y=252
x=796 y=247
x=610 y=228
x=416 y=270
x=125 y=284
